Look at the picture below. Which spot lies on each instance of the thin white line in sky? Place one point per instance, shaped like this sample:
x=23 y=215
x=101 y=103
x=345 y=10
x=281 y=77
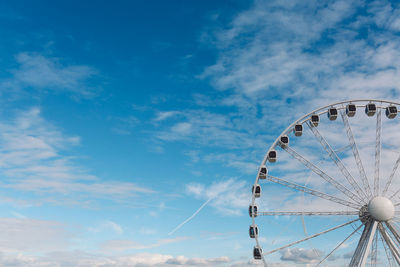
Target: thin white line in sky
x=191 y=217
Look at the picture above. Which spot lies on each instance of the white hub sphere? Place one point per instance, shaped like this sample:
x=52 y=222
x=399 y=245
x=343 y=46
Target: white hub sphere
x=381 y=209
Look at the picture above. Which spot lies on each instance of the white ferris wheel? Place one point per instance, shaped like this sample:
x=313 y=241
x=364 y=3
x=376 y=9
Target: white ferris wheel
x=334 y=169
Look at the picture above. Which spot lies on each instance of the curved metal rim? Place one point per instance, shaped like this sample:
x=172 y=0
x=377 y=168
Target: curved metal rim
x=301 y=120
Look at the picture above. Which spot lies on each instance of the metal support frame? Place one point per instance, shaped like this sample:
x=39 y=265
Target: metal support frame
x=332 y=154
x=390 y=243
x=322 y=174
x=312 y=192
x=356 y=154
x=389 y=182
x=307 y=213
x=377 y=151
x=310 y=237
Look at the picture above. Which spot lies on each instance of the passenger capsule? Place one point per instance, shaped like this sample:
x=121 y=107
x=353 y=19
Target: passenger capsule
x=314 y=120
x=370 y=109
x=350 y=110
x=262 y=172
x=284 y=141
x=253 y=231
x=256 y=190
x=253 y=210
x=332 y=114
x=298 y=130
x=391 y=112
x=257 y=252
x=272 y=156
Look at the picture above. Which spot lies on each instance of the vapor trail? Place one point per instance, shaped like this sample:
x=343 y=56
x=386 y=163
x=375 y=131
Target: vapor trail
x=191 y=217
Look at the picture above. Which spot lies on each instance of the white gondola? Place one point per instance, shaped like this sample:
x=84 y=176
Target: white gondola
x=314 y=120
x=332 y=114
x=298 y=130
x=262 y=172
x=253 y=210
x=253 y=231
x=351 y=110
x=272 y=156
x=257 y=252
x=256 y=190
x=370 y=109
x=391 y=112
x=284 y=141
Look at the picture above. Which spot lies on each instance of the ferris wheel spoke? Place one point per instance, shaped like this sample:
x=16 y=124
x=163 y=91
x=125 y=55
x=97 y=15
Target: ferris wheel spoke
x=388 y=183
x=310 y=237
x=356 y=154
x=307 y=213
x=377 y=151
x=388 y=252
x=390 y=243
x=393 y=230
x=312 y=192
x=340 y=244
x=332 y=154
x=322 y=174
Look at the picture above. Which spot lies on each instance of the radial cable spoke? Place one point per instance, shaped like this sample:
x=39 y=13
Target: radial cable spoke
x=393 y=230
x=389 y=242
x=356 y=154
x=310 y=237
x=332 y=154
x=377 y=151
x=389 y=182
x=322 y=174
x=388 y=253
x=312 y=192
x=307 y=213
x=338 y=246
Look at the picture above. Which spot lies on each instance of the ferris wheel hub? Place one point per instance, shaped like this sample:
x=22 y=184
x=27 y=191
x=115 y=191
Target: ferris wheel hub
x=381 y=209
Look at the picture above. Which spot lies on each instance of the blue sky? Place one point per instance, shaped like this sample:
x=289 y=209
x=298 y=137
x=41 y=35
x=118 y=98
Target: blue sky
x=118 y=120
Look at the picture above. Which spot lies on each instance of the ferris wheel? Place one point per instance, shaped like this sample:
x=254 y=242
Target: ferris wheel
x=335 y=170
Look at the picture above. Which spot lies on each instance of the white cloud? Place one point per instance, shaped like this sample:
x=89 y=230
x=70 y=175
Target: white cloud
x=106 y=226
x=301 y=255
x=32 y=159
x=30 y=235
x=163 y=115
x=228 y=197
x=124 y=245
x=46 y=73
x=82 y=259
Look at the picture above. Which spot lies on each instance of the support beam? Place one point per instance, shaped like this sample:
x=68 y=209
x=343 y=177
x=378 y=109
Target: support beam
x=322 y=174
x=361 y=246
x=307 y=213
x=356 y=154
x=389 y=182
x=335 y=158
x=310 y=237
x=389 y=242
x=312 y=192
x=377 y=151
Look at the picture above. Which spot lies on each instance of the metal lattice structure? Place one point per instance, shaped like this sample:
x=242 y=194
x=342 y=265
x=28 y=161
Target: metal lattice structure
x=366 y=200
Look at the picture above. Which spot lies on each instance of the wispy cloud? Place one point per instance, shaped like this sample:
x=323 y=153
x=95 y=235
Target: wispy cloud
x=30 y=235
x=125 y=245
x=32 y=158
x=50 y=74
x=227 y=197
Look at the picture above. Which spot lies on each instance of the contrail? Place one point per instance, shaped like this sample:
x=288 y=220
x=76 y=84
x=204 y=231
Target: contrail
x=191 y=217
